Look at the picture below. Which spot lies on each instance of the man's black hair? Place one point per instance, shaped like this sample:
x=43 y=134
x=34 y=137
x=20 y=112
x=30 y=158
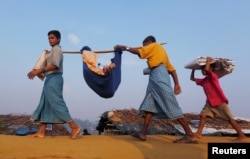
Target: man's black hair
x=149 y=38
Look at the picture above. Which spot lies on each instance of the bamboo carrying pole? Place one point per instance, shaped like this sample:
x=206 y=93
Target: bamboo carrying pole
x=99 y=51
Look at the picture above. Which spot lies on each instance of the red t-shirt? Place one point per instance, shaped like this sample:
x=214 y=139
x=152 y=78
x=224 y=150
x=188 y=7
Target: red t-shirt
x=212 y=89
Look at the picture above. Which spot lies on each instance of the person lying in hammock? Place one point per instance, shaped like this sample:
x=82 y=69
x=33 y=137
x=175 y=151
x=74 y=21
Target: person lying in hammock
x=91 y=60
x=104 y=81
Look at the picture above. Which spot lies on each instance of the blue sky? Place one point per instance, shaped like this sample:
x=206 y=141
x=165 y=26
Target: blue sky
x=217 y=28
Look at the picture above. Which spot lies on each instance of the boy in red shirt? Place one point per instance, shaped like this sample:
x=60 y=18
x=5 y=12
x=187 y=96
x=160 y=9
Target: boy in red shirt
x=216 y=103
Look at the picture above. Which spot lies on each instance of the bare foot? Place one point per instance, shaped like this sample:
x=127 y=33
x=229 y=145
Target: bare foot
x=198 y=136
x=107 y=69
x=37 y=135
x=75 y=132
x=186 y=139
x=240 y=139
x=139 y=136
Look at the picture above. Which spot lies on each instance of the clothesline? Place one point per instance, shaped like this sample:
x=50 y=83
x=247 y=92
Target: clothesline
x=99 y=51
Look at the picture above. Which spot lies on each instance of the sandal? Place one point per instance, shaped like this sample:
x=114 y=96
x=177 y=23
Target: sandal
x=186 y=140
x=138 y=136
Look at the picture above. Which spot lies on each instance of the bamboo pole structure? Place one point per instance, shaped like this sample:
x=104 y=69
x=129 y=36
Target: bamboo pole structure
x=99 y=51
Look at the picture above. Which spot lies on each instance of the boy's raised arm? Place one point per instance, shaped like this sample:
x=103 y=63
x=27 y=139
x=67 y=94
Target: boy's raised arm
x=192 y=78
x=208 y=64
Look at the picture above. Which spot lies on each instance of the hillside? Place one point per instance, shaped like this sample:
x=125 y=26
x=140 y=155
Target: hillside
x=125 y=121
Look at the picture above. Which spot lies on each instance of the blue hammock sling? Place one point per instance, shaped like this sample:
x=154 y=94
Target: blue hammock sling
x=104 y=85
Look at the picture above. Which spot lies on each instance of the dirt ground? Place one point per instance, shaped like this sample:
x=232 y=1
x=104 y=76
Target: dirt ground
x=103 y=147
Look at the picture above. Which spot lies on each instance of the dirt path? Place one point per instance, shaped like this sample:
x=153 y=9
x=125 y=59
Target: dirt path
x=102 y=147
